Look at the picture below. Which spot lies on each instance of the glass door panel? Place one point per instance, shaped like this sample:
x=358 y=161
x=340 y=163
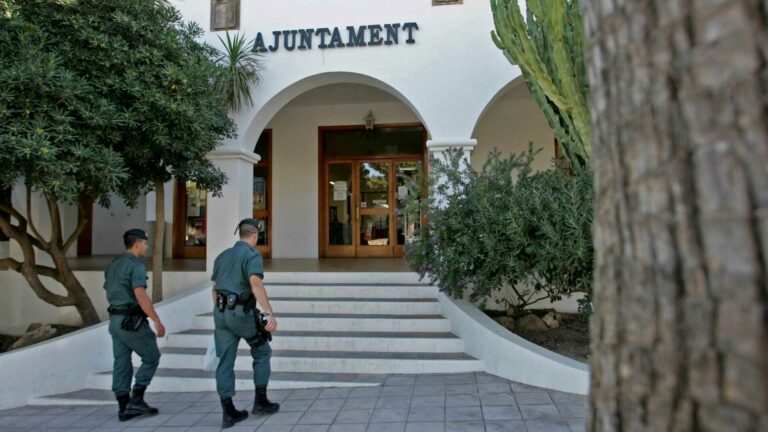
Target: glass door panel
x=375 y=201
x=194 y=215
x=339 y=211
x=261 y=202
x=190 y=222
x=374 y=185
x=408 y=224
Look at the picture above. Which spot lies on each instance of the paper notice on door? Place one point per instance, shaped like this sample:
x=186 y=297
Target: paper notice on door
x=402 y=192
x=339 y=195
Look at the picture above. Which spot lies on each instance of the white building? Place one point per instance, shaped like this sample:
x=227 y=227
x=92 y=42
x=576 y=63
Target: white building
x=428 y=76
x=303 y=161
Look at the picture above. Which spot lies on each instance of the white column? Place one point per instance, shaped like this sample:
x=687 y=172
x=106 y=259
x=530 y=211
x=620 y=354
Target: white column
x=439 y=148
x=235 y=204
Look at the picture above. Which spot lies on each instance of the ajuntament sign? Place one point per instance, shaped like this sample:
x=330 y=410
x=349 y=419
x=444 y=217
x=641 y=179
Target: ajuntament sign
x=326 y=37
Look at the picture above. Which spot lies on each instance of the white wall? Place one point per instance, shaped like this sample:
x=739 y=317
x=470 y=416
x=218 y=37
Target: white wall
x=20 y=306
x=109 y=224
x=295 y=169
x=509 y=125
x=64 y=364
x=447 y=77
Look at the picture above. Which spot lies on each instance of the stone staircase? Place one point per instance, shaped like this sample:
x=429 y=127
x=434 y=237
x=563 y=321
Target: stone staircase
x=330 y=335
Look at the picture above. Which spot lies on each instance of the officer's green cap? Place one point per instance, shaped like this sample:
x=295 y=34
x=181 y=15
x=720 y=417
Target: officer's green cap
x=249 y=221
x=136 y=233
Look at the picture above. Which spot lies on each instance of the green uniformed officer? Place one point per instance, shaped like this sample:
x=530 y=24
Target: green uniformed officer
x=125 y=281
x=237 y=282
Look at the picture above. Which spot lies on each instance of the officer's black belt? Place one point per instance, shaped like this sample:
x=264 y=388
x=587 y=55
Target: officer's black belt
x=230 y=300
x=126 y=311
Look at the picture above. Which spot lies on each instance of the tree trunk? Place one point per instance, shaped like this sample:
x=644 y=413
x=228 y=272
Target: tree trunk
x=680 y=130
x=157 y=245
x=57 y=247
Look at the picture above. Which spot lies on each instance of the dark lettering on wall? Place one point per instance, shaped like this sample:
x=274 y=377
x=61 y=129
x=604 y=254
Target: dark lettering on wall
x=258 y=44
x=392 y=34
x=336 y=39
x=375 y=38
x=356 y=38
x=410 y=27
x=276 y=45
x=306 y=38
x=333 y=37
x=322 y=32
x=292 y=34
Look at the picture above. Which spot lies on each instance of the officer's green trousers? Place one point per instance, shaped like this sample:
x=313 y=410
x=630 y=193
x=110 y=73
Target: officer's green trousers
x=144 y=343
x=231 y=326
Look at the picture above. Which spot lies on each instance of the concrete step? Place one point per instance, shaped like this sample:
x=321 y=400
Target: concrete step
x=336 y=361
x=336 y=341
x=357 y=291
x=377 y=306
x=347 y=322
x=197 y=380
x=344 y=276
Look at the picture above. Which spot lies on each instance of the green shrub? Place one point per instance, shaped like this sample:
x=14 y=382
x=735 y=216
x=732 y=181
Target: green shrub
x=505 y=225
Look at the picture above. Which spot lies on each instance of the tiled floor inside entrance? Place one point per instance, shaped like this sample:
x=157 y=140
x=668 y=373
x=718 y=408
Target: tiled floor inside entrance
x=473 y=402
x=351 y=265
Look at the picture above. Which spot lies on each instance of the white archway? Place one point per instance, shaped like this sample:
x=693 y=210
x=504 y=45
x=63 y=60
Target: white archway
x=501 y=91
x=260 y=118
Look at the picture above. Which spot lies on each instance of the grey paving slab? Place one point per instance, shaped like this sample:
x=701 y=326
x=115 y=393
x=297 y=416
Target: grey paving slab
x=464 y=414
x=386 y=427
x=428 y=401
x=548 y=425
x=462 y=400
x=354 y=416
x=505 y=426
x=390 y=415
x=358 y=427
x=327 y=404
x=310 y=428
x=394 y=402
x=300 y=405
x=335 y=393
x=533 y=398
x=318 y=418
x=426 y=413
x=361 y=403
x=501 y=412
x=420 y=403
x=425 y=427
x=464 y=426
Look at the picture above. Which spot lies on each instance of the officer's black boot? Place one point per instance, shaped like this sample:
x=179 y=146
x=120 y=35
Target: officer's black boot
x=262 y=405
x=122 y=402
x=137 y=406
x=231 y=414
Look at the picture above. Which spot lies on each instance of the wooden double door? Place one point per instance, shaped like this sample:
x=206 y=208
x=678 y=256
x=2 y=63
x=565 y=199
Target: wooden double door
x=362 y=206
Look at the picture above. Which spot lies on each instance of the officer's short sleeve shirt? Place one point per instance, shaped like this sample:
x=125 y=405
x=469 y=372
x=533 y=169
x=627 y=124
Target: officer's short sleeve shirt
x=233 y=268
x=121 y=277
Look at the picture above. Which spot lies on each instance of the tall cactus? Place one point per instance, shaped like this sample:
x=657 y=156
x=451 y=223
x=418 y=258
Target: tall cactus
x=548 y=46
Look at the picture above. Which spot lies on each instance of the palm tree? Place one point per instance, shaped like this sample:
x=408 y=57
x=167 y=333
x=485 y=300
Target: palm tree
x=241 y=68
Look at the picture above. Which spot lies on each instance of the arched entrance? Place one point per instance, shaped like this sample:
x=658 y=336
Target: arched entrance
x=336 y=187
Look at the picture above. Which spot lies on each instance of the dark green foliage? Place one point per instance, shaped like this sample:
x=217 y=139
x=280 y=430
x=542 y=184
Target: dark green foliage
x=122 y=89
x=98 y=98
x=505 y=226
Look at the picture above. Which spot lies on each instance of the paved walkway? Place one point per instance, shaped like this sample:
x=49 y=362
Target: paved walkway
x=419 y=403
